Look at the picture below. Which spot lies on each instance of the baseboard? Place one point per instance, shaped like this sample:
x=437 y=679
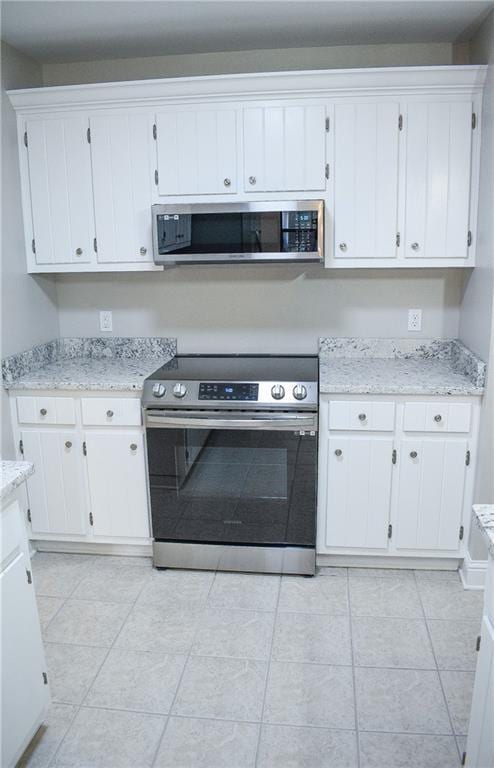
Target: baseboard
x=90 y=548
x=473 y=573
x=380 y=561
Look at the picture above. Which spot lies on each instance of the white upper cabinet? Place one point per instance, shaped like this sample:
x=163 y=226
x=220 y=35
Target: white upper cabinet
x=366 y=137
x=284 y=148
x=197 y=150
x=58 y=206
x=437 y=139
x=123 y=159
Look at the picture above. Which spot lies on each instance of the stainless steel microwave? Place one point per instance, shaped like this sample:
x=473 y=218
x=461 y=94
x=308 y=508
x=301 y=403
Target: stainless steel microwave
x=275 y=232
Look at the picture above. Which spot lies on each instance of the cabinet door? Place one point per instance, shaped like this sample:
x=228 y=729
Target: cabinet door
x=438 y=139
x=56 y=490
x=429 y=502
x=284 y=148
x=480 y=744
x=117 y=484
x=197 y=151
x=24 y=693
x=358 y=491
x=61 y=193
x=366 y=180
x=123 y=161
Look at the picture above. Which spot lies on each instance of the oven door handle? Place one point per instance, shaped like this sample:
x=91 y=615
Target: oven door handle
x=278 y=421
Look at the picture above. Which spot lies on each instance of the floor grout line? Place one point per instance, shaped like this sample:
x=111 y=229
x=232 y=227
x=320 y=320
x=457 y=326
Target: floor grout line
x=354 y=683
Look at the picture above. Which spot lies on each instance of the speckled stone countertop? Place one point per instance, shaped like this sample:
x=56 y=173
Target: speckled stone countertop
x=114 y=363
x=399 y=367
x=13 y=474
x=484 y=514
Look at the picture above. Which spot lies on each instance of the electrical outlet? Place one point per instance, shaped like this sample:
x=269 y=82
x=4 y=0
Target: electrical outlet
x=105 y=320
x=414 y=319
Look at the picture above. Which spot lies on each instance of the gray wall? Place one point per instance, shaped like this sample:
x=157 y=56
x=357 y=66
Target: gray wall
x=29 y=310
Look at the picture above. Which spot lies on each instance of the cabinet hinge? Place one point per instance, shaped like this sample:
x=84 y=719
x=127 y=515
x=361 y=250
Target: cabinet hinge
x=29 y=577
x=461 y=533
x=326 y=171
x=91 y=519
x=45 y=678
x=469 y=238
x=155 y=132
x=156 y=178
x=400 y=123
x=84 y=448
x=21 y=447
x=29 y=516
x=393 y=456
x=25 y=138
x=464 y=758
x=95 y=245
x=88 y=135
x=390 y=531
x=474 y=121
x=398 y=239
x=33 y=245
x=477 y=644
x=467 y=458
x=327 y=125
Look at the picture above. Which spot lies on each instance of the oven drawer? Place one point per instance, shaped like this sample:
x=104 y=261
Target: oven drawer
x=111 y=411
x=46 y=410
x=437 y=417
x=363 y=416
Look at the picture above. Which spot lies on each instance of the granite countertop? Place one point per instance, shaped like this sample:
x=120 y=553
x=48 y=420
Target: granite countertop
x=114 y=363
x=13 y=474
x=399 y=367
x=484 y=514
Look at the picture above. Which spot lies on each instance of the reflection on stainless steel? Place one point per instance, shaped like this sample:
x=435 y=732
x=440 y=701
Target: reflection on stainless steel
x=214 y=557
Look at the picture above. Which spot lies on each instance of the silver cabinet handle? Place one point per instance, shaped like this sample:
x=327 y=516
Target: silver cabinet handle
x=143 y=250
x=362 y=416
x=109 y=414
x=78 y=251
x=252 y=180
x=133 y=447
x=43 y=411
x=438 y=418
x=415 y=247
x=227 y=182
x=68 y=444
x=343 y=247
x=413 y=454
x=338 y=452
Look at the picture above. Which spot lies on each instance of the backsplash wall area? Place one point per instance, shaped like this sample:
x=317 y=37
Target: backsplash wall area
x=261 y=308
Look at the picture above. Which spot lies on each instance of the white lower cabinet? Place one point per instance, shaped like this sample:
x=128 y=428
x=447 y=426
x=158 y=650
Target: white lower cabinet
x=386 y=491
x=117 y=484
x=480 y=744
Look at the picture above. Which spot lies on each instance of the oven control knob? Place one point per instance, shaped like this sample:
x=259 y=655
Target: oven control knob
x=179 y=390
x=159 y=389
x=278 y=391
x=299 y=392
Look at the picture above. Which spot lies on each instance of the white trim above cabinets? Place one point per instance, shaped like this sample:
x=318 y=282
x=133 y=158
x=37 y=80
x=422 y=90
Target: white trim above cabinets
x=394 y=154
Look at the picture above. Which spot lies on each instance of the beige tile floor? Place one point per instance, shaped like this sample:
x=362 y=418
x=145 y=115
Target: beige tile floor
x=182 y=669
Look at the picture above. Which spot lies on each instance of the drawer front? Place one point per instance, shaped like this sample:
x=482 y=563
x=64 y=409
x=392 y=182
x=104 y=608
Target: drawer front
x=437 y=417
x=363 y=416
x=46 y=410
x=110 y=411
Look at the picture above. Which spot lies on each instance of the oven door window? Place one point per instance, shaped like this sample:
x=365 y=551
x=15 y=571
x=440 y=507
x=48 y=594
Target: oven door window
x=233 y=486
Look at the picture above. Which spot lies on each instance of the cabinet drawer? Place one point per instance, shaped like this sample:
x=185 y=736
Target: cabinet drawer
x=46 y=410
x=437 y=417
x=361 y=415
x=101 y=411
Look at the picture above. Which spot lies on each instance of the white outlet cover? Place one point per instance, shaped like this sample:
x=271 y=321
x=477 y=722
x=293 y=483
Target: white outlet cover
x=415 y=320
x=105 y=320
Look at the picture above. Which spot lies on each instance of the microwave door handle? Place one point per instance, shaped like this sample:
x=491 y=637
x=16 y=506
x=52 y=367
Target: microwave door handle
x=192 y=422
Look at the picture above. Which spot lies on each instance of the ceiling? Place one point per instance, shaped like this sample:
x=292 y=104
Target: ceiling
x=71 y=30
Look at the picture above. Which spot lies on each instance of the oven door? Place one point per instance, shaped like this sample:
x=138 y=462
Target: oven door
x=233 y=478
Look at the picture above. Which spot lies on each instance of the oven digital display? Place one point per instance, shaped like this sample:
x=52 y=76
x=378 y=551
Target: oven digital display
x=228 y=391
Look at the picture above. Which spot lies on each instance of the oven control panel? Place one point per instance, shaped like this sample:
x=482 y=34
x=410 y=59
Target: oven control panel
x=228 y=391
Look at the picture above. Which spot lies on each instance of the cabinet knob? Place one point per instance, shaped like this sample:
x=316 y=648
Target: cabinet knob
x=78 y=251
x=252 y=180
x=109 y=414
x=438 y=418
x=362 y=416
x=343 y=247
x=68 y=444
x=415 y=247
x=133 y=447
x=143 y=250
x=43 y=411
x=413 y=454
x=338 y=452
x=227 y=182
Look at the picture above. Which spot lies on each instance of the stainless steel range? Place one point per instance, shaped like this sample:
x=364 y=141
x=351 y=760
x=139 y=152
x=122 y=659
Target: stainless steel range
x=232 y=462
